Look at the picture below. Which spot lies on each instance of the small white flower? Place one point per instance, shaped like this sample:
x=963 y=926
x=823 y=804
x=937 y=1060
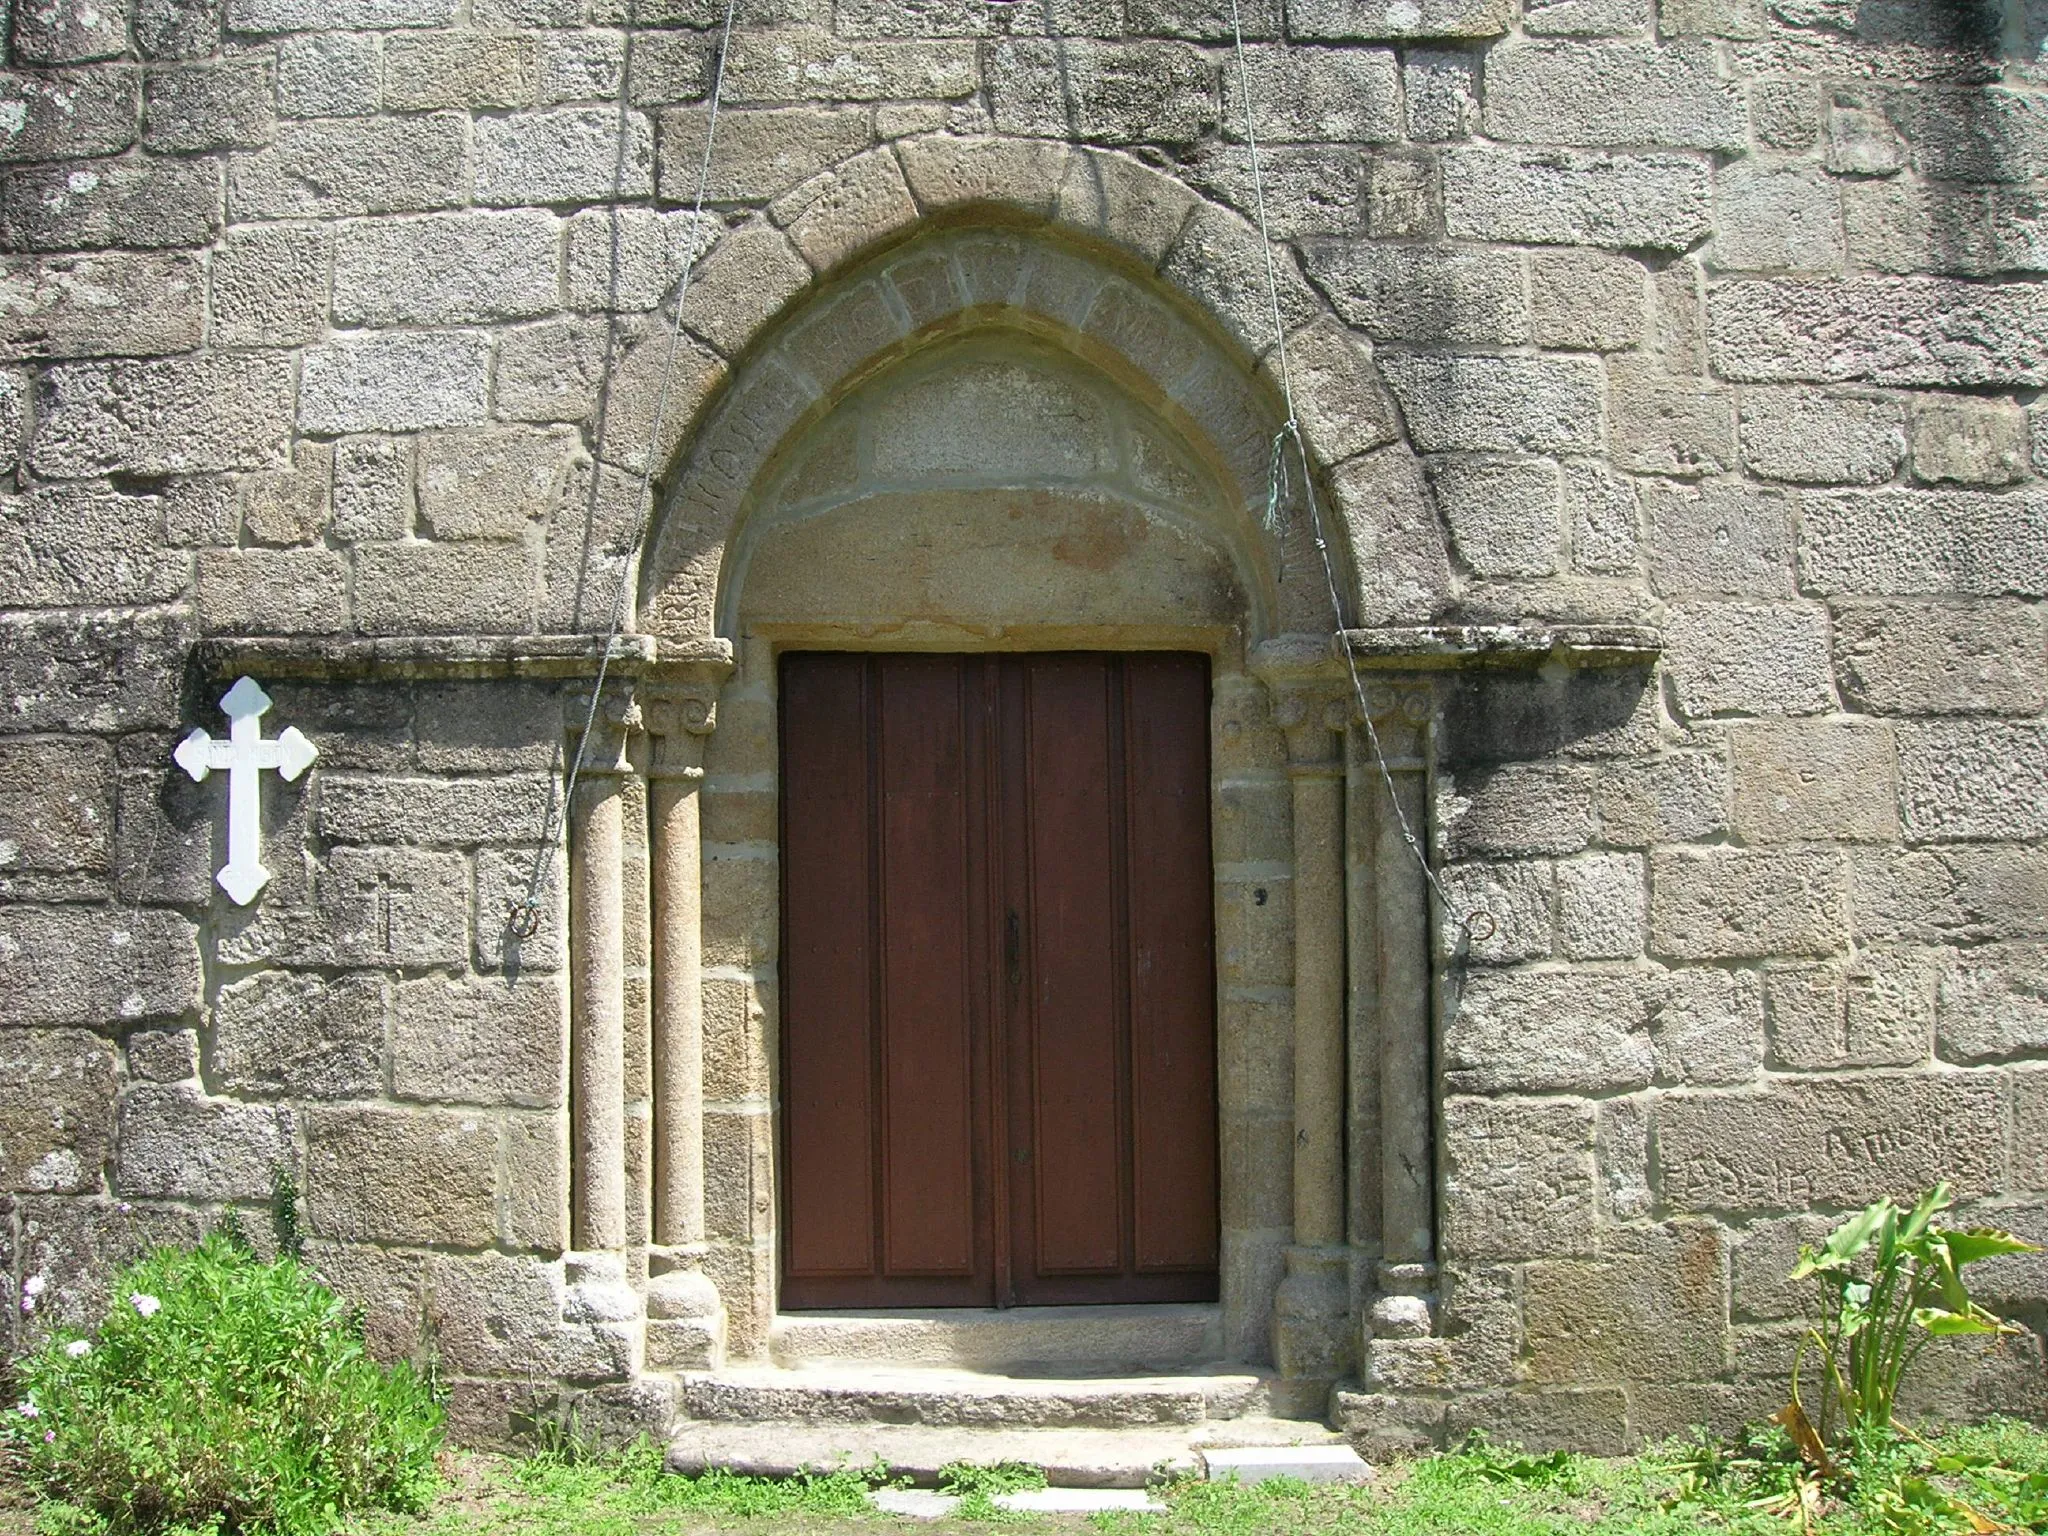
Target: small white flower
x=27 y=1409
x=148 y=1306
x=78 y=1349
x=32 y=1286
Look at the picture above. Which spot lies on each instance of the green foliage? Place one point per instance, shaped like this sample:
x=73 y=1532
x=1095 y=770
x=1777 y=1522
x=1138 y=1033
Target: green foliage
x=977 y=1485
x=284 y=1212
x=221 y=1393
x=1890 y=1281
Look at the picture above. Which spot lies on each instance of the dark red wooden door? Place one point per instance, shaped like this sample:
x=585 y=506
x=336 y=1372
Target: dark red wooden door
x=999 y=1043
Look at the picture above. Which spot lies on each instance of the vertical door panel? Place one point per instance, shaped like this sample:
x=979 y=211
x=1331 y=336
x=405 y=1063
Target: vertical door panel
x=927 y=1142
x=1173 y=1036
x=827 y=1092
x=1075 y=1049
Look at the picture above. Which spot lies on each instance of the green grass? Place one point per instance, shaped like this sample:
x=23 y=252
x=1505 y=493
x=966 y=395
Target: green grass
x=1749 y=1488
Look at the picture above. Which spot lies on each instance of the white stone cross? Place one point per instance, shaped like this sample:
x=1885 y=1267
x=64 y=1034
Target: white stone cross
x=245 y=754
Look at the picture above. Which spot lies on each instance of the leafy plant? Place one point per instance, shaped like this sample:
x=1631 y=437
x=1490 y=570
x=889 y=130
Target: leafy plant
x=221 y=1392
x=1890 y=1281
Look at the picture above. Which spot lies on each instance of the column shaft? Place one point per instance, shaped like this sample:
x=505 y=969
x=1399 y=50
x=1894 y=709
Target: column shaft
x=678 y=1007
x=597 y=1050
x=1319 y=1077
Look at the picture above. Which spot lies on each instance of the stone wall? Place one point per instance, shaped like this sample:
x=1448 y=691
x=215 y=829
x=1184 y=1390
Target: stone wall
x=342 y=319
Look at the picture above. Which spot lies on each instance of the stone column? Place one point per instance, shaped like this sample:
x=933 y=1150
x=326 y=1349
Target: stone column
x=686 y=1320
x=596 y=1272
x=1313 y=1336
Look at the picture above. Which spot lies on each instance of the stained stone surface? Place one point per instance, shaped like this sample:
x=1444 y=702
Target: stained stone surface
x=339 y=327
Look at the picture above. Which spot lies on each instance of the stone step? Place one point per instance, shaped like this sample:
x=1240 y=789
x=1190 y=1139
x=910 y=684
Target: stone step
x=953 y=1398
x=1072 y=1341
x=1070 y=1458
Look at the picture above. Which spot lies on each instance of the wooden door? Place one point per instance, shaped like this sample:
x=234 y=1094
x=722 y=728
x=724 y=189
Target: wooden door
x=998 y=1065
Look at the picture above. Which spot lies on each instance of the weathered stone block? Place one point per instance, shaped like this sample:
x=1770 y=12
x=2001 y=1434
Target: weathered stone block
x=1652 y=1307
x=1612 y=93
x=1561 y=197
x=75 y=1245
x=1587 y=18
x=338 y=166
x=1315 y=95
x=1522 y=1031
x=1970 y=442
x=1861 y=139
x=1750 y=658
x=398 y=382
x=1939 y=659
x=1814 y=780
x=328 y=74
x=56 y=813
x=1503 y=513
x=1821 y=438
x=1516 y=896
x=1784 y=114
x=1973 y=779
x=90 y=306
x=1972 y=135
x=1602 y=906
x=401 y=1175
x=1663 y=426
x=631 y=258
x=534 y=1183
x=1886 y=330
x=163 y=1055
x=432 y=812
x=1403 y=196
x=104 y=671
x=589 y=66
x=1103 y=92
x=1603 y=519
x=150 y=203
x=563 y=155
x=288 y=506
x=1220 y=262
x=667 y=67
x=1965 y=895
x=57 y=1127
x=163 y=417
x=1505 y=404
x=372 y=489
x=299 y=1035
x=550 y=372
x=1828 y=1142
x=67 y=546
x=761 y=154
x=1708 y=1026
x=1905 y=227
x=93 y=965
x=67 y=34
x=447 y=270
x=175 y=1141
x=1586 y=300
x=791 y=64
x=1440 y=94
x=491 y=484
x=1722 y=538
x=1123 y=201
x=1338 y=399
x=847 y=209
x=273 y=591
x=1991 y=1004
x=1370 y=20
x=309 y=15
x=1774 y=218
x=2030 y=1129
x=1516 y=809
x=210 y=106
x=1902 y=542
x=1423 y=293
x=1738 y=904
x=67 y=114
x=423 y=70
x=475 y=587
x=481 y=1041
x=1518 y=1178
x=270 y=286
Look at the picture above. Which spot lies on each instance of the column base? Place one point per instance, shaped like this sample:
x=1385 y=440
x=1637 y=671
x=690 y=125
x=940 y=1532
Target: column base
x=685 y=1318
x=1313 y=1336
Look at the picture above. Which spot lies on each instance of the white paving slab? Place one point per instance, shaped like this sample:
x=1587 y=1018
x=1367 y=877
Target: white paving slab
x=1310 y=1463
x=924 y=1504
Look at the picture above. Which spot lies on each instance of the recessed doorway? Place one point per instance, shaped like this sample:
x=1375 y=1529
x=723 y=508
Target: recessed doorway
x=998 y=1023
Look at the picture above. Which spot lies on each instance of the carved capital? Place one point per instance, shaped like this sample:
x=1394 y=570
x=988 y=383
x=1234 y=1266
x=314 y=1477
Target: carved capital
x=1395 y=701
x=618 y=718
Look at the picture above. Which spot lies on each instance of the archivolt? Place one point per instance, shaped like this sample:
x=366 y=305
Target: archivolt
x=1089 y=251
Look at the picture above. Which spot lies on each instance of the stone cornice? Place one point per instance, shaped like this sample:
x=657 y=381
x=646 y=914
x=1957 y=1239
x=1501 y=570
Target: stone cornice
x=1437 y=647
x=350 y=658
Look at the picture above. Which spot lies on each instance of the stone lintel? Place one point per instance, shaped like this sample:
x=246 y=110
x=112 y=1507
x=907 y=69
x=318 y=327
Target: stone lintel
x=409 y=657
x=1437 y=647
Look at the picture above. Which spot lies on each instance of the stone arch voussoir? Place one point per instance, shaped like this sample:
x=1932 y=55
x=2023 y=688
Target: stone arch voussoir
x=1165 y=289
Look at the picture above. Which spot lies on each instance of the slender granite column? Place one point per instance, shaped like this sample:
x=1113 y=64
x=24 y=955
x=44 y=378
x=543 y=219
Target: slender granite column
x=597 y=961
x=686 y=1321
x=1313 y=1337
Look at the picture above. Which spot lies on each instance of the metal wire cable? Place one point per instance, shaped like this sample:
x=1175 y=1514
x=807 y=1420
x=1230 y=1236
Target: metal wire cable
x=523 y=913
x=1479 y=924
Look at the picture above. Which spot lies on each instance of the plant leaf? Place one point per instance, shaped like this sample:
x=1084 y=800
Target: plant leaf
x=1793 y=1420
x=1971 y=1244
x=1936 y=1199
x=1854 y=1234
x=1944 y=1324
